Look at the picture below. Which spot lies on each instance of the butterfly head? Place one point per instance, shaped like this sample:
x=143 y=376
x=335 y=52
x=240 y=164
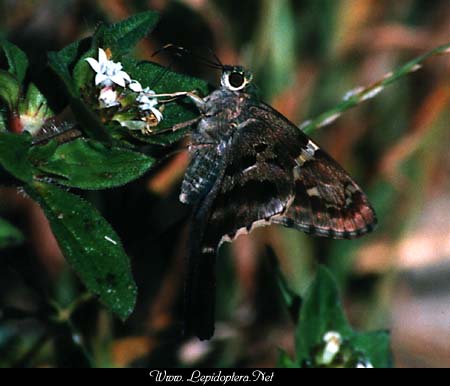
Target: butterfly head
x=235 y=78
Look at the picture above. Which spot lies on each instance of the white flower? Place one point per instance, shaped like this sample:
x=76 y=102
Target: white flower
x=194 y=351
x=364 y=365
x=135 y=86
x=333 y=342
x=146 y=103
x=108 y=71
x=158 y=114
x=108 y=97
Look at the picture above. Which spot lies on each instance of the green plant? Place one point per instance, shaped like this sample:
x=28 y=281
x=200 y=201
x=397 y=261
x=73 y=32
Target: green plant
x=114 y=151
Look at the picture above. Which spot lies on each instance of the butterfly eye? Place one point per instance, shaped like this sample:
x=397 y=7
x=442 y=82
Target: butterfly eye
x=236 y=80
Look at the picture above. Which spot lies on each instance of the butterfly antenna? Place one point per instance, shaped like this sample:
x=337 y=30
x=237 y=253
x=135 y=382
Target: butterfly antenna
x=181 y=51
x=216 y=58
x=164 y=71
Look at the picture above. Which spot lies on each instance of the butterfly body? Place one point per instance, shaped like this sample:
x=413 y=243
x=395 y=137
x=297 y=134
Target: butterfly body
x=250 y=167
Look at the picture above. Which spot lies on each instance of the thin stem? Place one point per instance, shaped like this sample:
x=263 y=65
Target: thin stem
x=362 y=94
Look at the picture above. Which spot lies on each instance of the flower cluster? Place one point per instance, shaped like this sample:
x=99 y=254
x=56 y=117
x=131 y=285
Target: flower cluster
x=335 y=351
x=115 y=88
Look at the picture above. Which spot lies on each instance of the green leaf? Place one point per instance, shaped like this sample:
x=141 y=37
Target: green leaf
x=9 y=235
x=90 y=122
x=14 y=155
x=17 y=60
x=2 y=119
x=123 y=36
x=292 y=300
x=321 y=312
x=90 y=246
x=9 y=89
x=374 y=345
x=274 y=48
x=120 y=38
x=161 y=80
x=39 y=155
x=62 y=61
x=70 y=54
x=58 y=63
x=285 y=361
x=88 y=164
x=83 y=74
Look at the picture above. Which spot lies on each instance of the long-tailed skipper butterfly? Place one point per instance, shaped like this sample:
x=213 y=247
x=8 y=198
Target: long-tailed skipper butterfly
x=250 y=167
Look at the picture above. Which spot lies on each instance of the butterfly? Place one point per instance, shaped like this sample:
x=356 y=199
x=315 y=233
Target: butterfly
x=250 y=167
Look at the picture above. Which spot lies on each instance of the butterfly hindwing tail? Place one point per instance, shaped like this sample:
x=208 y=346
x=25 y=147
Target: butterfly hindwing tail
x=200 y=294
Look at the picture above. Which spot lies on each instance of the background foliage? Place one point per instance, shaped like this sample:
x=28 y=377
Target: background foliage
x=306 y=56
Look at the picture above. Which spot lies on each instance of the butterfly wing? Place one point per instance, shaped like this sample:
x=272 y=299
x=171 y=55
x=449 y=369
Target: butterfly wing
x=270 y=173
x=257 y=185
x=327 y=201
x=248 y=191
x=277 y=174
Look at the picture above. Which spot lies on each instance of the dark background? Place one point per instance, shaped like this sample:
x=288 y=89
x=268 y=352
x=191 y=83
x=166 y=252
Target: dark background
x=306 y=55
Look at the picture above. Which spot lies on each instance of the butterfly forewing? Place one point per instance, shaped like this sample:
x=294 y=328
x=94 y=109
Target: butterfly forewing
x=276 y=174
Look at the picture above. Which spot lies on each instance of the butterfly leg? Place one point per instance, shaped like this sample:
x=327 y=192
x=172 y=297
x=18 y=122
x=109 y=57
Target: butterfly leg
x=178 y=126
x=197 y=100
x=192 y=95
